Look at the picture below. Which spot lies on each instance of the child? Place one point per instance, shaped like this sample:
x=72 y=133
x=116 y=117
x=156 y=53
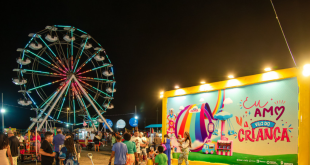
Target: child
x=113 y=139
x=152 y=155
x=161 y=158
x=78 y=149
x=46 y=150
x=27 y=144
x=180 y=140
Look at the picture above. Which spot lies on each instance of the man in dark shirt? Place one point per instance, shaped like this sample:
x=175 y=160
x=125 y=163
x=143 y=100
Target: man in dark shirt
x=46 y=150
x=14 y=145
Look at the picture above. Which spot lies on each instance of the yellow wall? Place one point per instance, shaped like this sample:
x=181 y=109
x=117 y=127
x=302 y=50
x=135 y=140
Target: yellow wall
x=304 y=102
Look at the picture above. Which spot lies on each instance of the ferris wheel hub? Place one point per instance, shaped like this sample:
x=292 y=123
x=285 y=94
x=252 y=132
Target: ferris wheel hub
x=69 y=74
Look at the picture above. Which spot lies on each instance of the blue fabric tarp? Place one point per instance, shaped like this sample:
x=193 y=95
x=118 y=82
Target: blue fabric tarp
x=154 y=126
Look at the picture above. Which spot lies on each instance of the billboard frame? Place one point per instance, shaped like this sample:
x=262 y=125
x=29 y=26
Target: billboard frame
x=303 y=100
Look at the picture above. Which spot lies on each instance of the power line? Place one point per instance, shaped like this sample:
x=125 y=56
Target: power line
x=121 y=114
x=283 y=33
x=104 y=115
x=16 y=106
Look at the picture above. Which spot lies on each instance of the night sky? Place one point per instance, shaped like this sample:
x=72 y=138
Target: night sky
x=155 y=45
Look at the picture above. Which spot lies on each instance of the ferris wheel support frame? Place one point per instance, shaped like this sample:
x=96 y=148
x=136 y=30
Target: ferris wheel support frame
x=54 y=104
x=82 y=103
x=43 y=110
x=91 y=102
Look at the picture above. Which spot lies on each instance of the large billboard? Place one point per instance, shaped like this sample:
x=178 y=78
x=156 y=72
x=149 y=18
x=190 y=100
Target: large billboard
x=254 y=124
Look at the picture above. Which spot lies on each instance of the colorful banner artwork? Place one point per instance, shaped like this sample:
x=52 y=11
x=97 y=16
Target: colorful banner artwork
x=250 y=124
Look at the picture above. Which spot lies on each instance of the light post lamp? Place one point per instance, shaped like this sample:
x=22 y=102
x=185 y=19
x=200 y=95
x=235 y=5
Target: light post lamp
x=162 y=96
x=136 y=117
x=2 y=112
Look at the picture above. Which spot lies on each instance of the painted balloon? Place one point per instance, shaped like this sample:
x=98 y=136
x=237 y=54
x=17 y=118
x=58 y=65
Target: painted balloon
x=133 y=122
x=120 y=123
x=110 y=123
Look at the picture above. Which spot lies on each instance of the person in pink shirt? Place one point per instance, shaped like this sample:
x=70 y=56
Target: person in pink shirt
x=35 y=138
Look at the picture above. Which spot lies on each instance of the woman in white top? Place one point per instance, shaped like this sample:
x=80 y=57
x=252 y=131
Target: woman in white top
x=185 y=145
x=5 y=148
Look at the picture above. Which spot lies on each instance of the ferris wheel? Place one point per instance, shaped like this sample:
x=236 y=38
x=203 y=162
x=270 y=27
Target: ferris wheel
x=66 y=76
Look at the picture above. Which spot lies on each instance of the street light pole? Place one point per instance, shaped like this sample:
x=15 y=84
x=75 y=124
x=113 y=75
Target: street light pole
x=135 y=110
x=2 y=111
x=157 y=119
x=136 y=116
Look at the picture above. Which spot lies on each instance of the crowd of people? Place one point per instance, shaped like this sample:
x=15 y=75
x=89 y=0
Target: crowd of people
x=129 y=149
x=60 y=148
x=132 y=150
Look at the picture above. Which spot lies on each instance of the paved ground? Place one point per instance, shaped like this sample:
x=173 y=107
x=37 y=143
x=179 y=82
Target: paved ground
x=99 y=158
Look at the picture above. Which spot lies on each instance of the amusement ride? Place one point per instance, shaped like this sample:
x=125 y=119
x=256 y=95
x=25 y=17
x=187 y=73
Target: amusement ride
x=64 y=72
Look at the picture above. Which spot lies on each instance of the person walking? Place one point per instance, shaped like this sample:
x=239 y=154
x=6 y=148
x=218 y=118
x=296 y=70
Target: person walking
x=58 y=140
x=143 y=155
x=14 y=146
x=119 y=150
x=5 y=150
x=20 y=139
x=157 y=140
x=78 y=149
x=138 y=143
x=161 y=158
x=96 y=140
x=21 y=144
x=167 y=143
x=131 y=150
x=46 y=150
x=185 y=145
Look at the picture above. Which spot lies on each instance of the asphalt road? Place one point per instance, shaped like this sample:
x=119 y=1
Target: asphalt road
x=99 y=158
